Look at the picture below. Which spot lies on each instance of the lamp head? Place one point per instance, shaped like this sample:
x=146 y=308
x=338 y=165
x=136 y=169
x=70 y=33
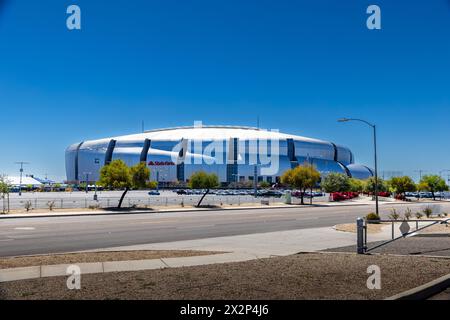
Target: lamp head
x=343 y=120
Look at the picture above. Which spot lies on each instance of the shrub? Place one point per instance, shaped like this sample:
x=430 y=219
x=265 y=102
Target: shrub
x=28 y=206
x=419 y=215
x=372 y=218
x=394 y=215
x=408 y=214
x=428 y=211
x=51 y=205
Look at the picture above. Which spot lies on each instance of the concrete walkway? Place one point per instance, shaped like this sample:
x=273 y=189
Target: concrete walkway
x=24 y=273
x=259 y=245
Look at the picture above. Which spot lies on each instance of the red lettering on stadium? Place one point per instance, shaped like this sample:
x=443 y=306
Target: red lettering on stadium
x=161 y=163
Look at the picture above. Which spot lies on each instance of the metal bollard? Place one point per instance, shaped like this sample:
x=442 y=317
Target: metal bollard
x=360 y=236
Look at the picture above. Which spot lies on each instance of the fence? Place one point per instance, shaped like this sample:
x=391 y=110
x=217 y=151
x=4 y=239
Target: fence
x=150 y=201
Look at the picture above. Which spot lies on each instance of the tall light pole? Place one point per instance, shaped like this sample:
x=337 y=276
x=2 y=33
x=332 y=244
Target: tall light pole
x=255 y=180
x=87 y=180
x=21 y=174
x=377 y=211
x=157 y=180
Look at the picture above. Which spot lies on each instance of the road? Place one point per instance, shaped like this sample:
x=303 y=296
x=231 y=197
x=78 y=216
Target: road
x=28 y=236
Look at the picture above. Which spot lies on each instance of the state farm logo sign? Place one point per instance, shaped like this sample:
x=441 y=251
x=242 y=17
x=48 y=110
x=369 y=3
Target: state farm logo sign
x=161 y=163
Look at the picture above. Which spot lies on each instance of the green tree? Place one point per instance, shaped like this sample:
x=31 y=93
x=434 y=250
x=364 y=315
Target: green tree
x=401 y=185
x=357 y=185
x=140 y=175
x=370 y=185
x=433 y=184
x=116 y=175
x=264 y=185
x=302 y=177
x=5 y=188
x=336 y=182
x=203 y=180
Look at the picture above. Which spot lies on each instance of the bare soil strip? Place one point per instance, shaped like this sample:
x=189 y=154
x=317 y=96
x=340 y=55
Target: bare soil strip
x=302 y=276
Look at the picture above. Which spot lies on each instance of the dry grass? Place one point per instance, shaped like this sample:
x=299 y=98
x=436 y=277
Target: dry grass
x=40 y=260
x=304 y=276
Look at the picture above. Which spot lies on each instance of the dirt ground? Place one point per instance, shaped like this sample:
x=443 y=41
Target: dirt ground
x=302 y=276
x=376 y=228
x=40 y=260
x=351 y=227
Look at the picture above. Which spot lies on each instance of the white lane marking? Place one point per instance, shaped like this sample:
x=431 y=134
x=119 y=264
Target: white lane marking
x=24 y=228
x=196 y=227
x=4 y=240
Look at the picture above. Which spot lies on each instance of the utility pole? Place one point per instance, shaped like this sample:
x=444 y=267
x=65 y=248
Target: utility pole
x=420 y=173
x=21 y=174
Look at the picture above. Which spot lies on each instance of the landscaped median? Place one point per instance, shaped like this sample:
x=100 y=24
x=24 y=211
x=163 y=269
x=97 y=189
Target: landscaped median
x=301 y=276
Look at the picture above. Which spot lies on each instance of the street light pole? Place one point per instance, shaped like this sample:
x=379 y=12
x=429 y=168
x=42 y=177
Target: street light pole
x=255 y=181
x=377 y=211
x=157 y=180
x=87 y=180
x=376 y=169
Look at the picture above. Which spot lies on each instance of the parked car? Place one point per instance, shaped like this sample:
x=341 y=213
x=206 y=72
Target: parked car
x=154 y=193
x=270 y=193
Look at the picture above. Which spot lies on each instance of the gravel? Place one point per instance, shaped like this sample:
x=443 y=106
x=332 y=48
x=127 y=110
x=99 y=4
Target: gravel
x=302 y=276
x=422 y=244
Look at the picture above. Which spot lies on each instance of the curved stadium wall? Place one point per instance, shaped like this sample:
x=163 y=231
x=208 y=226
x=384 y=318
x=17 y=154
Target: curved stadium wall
x=233 y=153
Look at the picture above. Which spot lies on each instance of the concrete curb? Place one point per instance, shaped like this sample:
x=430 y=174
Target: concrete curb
x=425 y=291
x=36 y=272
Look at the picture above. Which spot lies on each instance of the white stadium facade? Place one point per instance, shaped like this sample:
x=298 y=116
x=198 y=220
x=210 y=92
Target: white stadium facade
x=233 y=153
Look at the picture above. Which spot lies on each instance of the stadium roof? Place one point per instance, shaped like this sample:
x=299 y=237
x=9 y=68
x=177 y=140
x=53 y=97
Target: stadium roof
x=15 y=181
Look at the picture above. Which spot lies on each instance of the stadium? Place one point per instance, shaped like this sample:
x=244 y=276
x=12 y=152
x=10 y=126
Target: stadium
x=235 y=154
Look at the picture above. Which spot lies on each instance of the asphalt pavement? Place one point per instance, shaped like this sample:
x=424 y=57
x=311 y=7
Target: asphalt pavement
x=65 y=234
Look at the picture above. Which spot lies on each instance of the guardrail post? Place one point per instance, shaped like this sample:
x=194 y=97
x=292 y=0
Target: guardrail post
x=360 y=236
x=393 y=233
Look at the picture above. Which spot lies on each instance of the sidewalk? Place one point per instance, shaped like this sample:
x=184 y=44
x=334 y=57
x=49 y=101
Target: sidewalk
x=14 y=274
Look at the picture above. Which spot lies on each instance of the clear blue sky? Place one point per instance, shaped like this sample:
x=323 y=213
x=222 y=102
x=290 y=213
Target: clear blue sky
x=300 y=65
